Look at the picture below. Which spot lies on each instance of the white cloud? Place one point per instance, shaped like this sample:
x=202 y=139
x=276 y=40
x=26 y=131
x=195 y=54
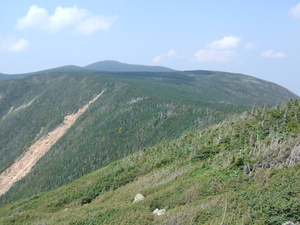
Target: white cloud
x=211 y=55
x=225 y=43
x=81 y=20
x=157 y=59
x=13 y=45
x=171 y=54
x=295 y=11
x=94 y=23
x=35 y=17
x=272 y=54
x=220 y=51
x=250 y=46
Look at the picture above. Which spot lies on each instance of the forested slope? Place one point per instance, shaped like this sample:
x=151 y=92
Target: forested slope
x=137 y=110
x=244 y=170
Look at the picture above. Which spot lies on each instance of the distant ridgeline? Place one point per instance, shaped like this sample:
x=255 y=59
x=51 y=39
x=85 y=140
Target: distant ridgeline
x=141 y=106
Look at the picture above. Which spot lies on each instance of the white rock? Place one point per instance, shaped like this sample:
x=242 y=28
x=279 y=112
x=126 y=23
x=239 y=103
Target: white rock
x=138 y=198
x=159 y=212
x=288 y=223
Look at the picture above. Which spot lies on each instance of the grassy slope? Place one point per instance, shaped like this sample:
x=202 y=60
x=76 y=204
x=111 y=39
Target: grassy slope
x=137 y=110
x=244 y=170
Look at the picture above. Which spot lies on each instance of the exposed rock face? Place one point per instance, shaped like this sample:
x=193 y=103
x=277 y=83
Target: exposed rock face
x=22 y=166
x=288 y=223
x=138 y=198
x=159 y=212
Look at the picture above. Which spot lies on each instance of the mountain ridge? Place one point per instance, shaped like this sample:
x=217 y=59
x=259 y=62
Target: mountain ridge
x=104 y=66
x=115 y=66
x=138 y=110
x=244 y=169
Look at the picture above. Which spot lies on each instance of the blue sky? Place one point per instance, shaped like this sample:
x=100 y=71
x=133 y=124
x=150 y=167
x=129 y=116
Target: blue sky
x=257 y=38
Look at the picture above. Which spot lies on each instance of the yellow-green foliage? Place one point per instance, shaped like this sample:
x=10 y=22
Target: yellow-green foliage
x=137 y=110
x=244 y=170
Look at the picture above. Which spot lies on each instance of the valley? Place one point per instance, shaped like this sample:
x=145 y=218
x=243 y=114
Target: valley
x=149 y=112
x=244 y=170
x=78 y=141
x=24 y=164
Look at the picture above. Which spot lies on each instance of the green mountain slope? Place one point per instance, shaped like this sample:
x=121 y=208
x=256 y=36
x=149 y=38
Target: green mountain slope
x=9 y=77
x=137 y=110
x=104 y=66
x=244 y=170
x=4 y=77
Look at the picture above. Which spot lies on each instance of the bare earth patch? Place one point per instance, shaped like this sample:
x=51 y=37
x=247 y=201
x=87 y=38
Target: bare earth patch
x=23 y=165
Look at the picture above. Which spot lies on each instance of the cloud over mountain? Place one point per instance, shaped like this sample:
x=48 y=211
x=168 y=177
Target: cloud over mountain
x=171 y=54
x=12 y=44
x=272 y=54
x=80 y=20
x=220 y=51
x=210 y=55
x=225 y=43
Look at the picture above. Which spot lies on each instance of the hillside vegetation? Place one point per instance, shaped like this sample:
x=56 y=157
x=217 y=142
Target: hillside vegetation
x=138 y=109
x=9 y=77
x=23 y=165
x=244 y=170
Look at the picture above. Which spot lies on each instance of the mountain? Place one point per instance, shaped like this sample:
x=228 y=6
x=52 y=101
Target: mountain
x=68 y=68
x=65 y=124
x=243 y=170
x=104 y=66
x=4 y=77
x=115 y=66
x=9 y=77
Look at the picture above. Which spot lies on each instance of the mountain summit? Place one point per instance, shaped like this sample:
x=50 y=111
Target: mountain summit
x=115 y=66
